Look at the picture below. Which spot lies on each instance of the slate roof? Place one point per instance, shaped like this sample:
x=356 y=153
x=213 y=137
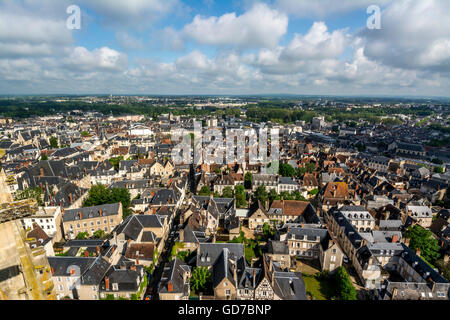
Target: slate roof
x=60 y=265
x=289 y=286
x=173 y=272
x=214 y=250
x=134 y=224
x=223 y=268
x=104 y=210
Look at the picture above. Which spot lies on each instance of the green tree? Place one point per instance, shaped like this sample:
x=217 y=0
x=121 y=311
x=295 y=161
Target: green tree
x=53 y=142
x=44 y=157
x=82 y=236
x=248 y=180
x=99 y=195
x=239 y=192
x=99 y=234
x=286 y=170
x=201 y=277
x=85 y=134
x=438 y=169
x=421 y=238
x=268 y=231
x=261 y=194
x=205 y=191
x=227 y=192
x=345 y=287
x=273 y=195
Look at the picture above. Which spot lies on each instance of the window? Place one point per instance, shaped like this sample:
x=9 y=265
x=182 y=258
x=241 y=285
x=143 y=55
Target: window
x=225 y=284
x=228 y=292
x=333 y=258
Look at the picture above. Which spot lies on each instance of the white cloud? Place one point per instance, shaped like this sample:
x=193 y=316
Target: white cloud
x=23 y=33
x=103 y=59
x=258 y=27
x=414 y=35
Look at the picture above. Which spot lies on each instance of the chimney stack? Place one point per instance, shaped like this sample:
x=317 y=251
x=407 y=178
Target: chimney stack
x=418 y=252
x=170 y=286
x=394 y=238
x=107 y=283
x=100 y=212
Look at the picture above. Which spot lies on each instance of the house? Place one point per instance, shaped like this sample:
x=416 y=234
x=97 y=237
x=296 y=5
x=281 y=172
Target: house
x=359 y=217
x=121 y=282
x=49 y=219
x=91 y=219
x=312 y=243
x=292 y=211
x=41 y=239
x=379 y=163
x=143 y=237
x=337 y=193
x=258 y=217
x=224 y=274
x=248 y=281
x=355 y=248
x=270 y=181
x=422 y=215
x=175 y=281
x=287 y=184
x=208 y=253
x=78 y=278
x=279 y=251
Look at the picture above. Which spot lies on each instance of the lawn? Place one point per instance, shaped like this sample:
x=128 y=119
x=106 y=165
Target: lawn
x=318 y=288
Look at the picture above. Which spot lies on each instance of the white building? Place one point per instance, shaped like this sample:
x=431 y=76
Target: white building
x=49 y=219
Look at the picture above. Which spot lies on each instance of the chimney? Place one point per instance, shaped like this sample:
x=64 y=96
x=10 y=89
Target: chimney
x=70 y=198
x=100 y=212
x=97 y=248
x=133 y=268
x=80 y=215
x=107 y=283
x=394 y=238
x=41 y=172
x=418 y=252
x=137 y=261
x=170 y=286
x=86 y=254
x=52 y=270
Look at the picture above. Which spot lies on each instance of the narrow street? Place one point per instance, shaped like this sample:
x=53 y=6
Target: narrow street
x=152 y=288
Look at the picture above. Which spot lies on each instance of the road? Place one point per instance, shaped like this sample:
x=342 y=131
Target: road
x=152 y=288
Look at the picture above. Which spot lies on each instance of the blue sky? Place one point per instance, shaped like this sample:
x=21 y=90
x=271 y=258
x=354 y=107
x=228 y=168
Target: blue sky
x=225 y=47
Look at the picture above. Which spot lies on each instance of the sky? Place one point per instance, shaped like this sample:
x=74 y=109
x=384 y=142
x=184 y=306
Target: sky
x=226 y=47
